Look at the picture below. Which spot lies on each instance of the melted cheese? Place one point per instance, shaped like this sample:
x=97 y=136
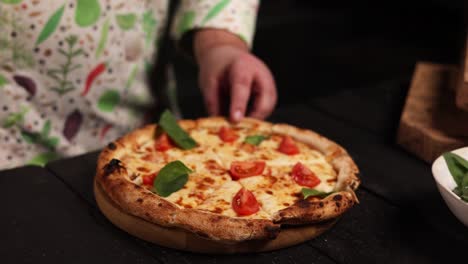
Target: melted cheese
x=282 y=164
x=220 y=201
x=197 y=189
x=210 y=186
x=274 y=192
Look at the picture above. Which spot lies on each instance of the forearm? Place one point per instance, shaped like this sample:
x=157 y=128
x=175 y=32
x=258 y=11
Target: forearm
x=200 y=25
x=206 y=39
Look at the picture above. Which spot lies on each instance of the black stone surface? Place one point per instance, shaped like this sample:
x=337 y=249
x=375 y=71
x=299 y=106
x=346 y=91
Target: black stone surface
x=42 y=221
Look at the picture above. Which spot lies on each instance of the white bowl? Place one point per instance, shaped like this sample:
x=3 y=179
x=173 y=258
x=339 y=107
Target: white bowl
x=446 y=184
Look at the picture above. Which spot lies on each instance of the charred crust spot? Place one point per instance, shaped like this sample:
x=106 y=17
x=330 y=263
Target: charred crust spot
x=139 y=200
x=112 y=166
x=250 y=224
x=320 y=204
x=282 y=214
x=112 y=146
x=337 y=197
x=303 y=204
x=286 y=204
x=134 y=176
x=160 y=204
x=272 y=231
x=297 y=195
x=137 y=186
x=269 y=192
x=338 y=204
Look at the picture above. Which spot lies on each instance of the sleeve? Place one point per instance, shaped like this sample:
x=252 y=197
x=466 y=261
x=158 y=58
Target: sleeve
x=235 y=16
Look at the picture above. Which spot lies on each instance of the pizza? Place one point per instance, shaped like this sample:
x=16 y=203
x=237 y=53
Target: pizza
x=227 y=182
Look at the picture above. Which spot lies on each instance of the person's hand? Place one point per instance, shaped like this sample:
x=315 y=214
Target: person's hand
x=226 y=65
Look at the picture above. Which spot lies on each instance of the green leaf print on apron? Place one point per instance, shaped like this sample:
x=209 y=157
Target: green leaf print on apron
x=51 y=25
x=3 y=80
x=215 y=10
x=108 y=100
x=186 y=21
x=103 y=38
x=87 y=12
x=126 y=21
x=11 y=1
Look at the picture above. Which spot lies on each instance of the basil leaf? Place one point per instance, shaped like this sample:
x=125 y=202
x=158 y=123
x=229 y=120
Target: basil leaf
x=464 y=188
x=255 y=140
x=457 y=166
x=168 y=122
x=306 y=192
x=171 y=178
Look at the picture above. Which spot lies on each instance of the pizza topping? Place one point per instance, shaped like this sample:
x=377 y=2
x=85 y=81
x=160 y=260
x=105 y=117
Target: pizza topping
x=149 y=179
x=288 y=146
x=304 y=176
x=244 y=203
x=306 y=192
x=163 y=142
x=247 y=148
x=214 y=167
x=227 y=134
x=243 y=169
x=255 y=139
x=171 y=178
x=169 y=124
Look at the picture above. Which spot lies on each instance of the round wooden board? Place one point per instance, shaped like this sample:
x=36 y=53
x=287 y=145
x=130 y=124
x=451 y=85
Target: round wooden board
x=183 y=240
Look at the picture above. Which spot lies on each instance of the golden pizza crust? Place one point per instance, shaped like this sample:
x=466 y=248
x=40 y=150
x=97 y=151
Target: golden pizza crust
x=185 y=240
x=112 y=176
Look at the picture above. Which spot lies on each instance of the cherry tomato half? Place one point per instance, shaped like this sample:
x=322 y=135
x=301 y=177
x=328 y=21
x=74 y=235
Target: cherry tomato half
x=245 y=203
x=163 y=143
x=149 y=179
x=304 y=176
x=227 y=134
x=243 y=169
x=288 y=146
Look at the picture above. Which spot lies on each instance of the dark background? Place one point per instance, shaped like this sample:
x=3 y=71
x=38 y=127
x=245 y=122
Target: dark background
x=319 y=48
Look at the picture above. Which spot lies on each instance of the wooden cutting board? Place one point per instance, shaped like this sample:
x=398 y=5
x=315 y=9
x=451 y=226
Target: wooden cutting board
x=179 y=239
x=431 y=122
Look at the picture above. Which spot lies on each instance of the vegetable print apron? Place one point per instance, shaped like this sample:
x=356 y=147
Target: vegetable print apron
x=72 y=73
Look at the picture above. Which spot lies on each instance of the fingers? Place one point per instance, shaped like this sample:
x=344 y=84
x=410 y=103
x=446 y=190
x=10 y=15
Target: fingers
x=210 y=87
x=266 y=95
x=241 y=80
